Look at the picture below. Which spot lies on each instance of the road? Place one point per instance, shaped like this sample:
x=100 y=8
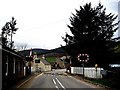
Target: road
x=56 y=79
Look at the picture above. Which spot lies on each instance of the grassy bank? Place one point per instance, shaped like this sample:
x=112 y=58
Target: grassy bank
x=51 y=59
x=107 y=82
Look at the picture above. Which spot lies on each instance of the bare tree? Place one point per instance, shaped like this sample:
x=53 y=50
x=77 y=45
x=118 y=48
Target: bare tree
x=21 y=46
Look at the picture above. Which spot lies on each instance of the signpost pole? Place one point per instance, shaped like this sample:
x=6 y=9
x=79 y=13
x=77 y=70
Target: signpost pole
x=83 y=68
x=83 y=58
x=96 y=65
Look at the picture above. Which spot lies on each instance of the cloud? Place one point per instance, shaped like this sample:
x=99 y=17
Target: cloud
x=41 y=23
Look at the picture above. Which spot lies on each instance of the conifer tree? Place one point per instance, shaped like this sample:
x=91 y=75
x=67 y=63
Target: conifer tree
x=92 y=31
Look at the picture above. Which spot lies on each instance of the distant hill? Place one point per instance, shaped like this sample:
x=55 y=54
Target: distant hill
x=58 y=50
x=36 y=50
x=42 y=51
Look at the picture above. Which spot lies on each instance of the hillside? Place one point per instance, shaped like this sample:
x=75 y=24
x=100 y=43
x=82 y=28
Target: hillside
x=58 y=50
x=42 y=51
x=37 y=51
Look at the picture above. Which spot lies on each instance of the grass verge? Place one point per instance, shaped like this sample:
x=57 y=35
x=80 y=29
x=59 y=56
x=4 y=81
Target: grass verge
x=50 y=59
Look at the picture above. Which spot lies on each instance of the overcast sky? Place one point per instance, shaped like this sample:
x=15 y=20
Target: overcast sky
x=41 y=23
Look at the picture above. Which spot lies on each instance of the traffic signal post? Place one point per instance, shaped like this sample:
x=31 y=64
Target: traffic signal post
x=83 y=58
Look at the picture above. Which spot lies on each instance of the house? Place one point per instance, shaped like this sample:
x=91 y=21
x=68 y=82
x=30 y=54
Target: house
x=44 y=65
x=12 y=67
x=50 y=56
x=40 y=65
x=63 y=61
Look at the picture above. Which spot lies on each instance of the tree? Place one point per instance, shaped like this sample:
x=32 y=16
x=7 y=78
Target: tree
x=21 y=46
x=5 y=33
x=8 y=30
x=92 y=31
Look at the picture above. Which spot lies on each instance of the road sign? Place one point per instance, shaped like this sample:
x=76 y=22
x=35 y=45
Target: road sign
x=83 y=57
x=37 y=61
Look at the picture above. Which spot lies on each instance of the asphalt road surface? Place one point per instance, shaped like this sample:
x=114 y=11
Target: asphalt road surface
x=56 y=79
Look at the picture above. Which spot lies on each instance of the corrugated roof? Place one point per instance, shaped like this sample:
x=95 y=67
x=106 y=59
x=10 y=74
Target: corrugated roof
x=64 y=57
x=45 y=62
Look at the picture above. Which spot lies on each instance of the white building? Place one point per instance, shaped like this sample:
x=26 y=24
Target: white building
x=40 y=64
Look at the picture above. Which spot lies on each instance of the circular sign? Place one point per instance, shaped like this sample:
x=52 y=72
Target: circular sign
x=83 y=57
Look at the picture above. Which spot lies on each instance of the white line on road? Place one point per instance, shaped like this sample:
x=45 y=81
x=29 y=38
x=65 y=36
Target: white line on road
x=57 y=87
x=24 y=82
x=54 y=82
x=60 y=83
x=39 y=75
x=28 y=80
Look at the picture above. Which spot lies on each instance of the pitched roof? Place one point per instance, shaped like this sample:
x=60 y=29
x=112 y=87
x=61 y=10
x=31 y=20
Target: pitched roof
x=64 y=57
x=45 y=62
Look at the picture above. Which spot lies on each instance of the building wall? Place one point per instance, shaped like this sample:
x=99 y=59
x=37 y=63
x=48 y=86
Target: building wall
x=47 y=67
x=37 y=67
x=33 y=67
x=0 y=65
x=61 y=63
x=12 y=68
x=44 y=67
x=119 y=18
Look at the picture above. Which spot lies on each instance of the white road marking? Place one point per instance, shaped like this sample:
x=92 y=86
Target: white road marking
x=54 y=81
x=55 y=84
x=24 y=82
x=57 y=87
x=60 y=83
x=39 y=75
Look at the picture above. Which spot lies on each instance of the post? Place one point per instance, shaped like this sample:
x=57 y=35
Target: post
x=96 y=65
x=36 y=67
x=83 y=68
x=96 y=73
x=83 y=58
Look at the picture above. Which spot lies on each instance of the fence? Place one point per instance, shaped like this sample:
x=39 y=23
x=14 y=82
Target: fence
x=90 y=72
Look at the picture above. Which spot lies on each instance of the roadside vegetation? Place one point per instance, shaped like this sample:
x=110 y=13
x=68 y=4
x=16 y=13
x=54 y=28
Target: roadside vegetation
x=51 y=59
x=105 y=82
x=8 y=30
x=92 y=31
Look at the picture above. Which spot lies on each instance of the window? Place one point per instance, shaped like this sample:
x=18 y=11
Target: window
x=6 y=66
x=14 y=65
